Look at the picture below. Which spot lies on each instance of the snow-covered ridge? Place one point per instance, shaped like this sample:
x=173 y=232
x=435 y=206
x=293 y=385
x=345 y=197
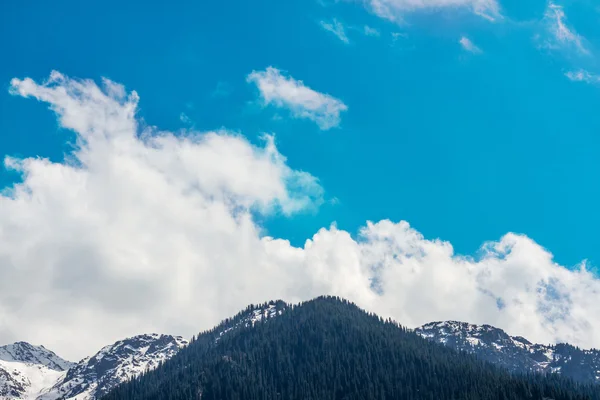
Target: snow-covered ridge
x=95 y=376
x=514 y=352
x=27 y=353
x=27 y=370
x=475 y=335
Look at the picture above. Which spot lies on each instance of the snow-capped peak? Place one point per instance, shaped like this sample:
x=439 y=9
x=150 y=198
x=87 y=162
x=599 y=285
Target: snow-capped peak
x=515 y=353
x=95 y=376
x=26 y=353
x=26 y=370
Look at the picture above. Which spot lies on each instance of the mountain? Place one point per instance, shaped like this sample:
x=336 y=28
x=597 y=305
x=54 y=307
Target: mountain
x=95 y=376
x=35 y=373
x=515 y=353
x=26 y=370
x=276 y=350
x=328 y=348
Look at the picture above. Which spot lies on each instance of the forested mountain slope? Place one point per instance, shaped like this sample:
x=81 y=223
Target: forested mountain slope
x=328 y=348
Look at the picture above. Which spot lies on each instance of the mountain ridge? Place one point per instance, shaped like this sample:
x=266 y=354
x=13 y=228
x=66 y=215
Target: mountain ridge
x=127 y=359
x=112 y=365
x=515 y=353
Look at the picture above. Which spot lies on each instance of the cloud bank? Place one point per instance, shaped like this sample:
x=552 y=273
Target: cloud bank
x=144 y=231
x=283 y=91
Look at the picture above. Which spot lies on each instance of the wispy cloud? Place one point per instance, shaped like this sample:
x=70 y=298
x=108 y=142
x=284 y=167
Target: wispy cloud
x=583 y=76
x=371 y=31
x=561 y=35
x=337 y=28
x=468 y=45
x=183 y=117
x=397 y=35
x=286 y=92
x=223 y=89
x=394 y=9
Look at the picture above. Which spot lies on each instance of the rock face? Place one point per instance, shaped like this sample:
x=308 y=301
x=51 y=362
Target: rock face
x=94 y=376
x=27 y=370
x=515 y=353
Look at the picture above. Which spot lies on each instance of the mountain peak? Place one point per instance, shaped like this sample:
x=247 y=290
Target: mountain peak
x=252 y=315
x=26 y=370
x=30 y=354
x=119 y=362
x=459 y=326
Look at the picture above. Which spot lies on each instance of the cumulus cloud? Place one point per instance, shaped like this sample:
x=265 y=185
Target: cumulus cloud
x=337 y=28
x=394 y=9
x=583 y=76
x=561 y=35
x=131 y=222
x=283 y=91
x=468 y=45
x=140 y=230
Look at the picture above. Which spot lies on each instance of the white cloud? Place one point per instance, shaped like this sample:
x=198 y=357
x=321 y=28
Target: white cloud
x=371 y=31
x=284 y=91
x=583 y=76
x=394 y=9
x=561 y=35
x=337 y=28
x=468 y=45
x=152 y=232
x=94 y=248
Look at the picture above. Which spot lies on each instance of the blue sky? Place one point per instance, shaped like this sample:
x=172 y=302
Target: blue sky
x=468 y=121
x=465 y=146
